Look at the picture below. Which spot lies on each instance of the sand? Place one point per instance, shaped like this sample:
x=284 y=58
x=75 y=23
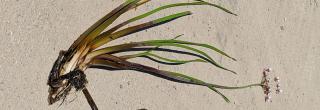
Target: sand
x=281 y=34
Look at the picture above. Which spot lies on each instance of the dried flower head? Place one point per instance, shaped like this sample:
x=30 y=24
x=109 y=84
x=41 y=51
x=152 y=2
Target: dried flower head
x=277 y=81
x=266 y=84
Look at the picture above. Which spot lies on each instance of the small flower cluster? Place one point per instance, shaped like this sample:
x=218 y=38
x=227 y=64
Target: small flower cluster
x=277 y=80
x=266 y=84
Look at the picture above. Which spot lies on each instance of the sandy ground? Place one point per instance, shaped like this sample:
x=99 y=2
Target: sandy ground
x=281 y=34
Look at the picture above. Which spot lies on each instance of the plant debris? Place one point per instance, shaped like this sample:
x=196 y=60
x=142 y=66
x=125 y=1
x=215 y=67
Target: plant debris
x=88 y=52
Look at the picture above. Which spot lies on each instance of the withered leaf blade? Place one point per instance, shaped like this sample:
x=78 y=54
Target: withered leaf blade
x=105 y=21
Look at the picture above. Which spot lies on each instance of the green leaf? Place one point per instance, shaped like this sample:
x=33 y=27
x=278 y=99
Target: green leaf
x=236 y=87
x=218 y=92
x=192 y=49
x=150 y=13
x=109 y=19
x=217 y=6
x=148 y=54
x=108 y=32
x=192 y=43
x=146 y=43
x=192 y=80
x=107 y=38
x=120 y=63
x=111 y=49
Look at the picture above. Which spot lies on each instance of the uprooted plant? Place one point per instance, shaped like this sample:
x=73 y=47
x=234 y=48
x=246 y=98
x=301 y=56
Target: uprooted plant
x=87 y=52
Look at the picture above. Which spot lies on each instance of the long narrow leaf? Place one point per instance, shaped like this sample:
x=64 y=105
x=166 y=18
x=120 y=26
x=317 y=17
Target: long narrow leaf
x=192 y=49
x=220 y=7
x=101 y=62
x=105 y=21
x=218 y=92
x=112 y=49
x=111 y=19
x=99 y=23
x=107 y=38
x=157 y=10
x=168 y=60
x=197 y=82
x=78 y=49
x=122 y=64
x=139 y=44
x=192 y=43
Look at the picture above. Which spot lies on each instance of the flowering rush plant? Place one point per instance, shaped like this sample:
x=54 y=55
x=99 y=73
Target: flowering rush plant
x=90 y=50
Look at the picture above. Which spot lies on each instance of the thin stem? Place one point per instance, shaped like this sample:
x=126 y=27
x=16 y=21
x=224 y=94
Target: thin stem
x=89 y=99
x=240 y=87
